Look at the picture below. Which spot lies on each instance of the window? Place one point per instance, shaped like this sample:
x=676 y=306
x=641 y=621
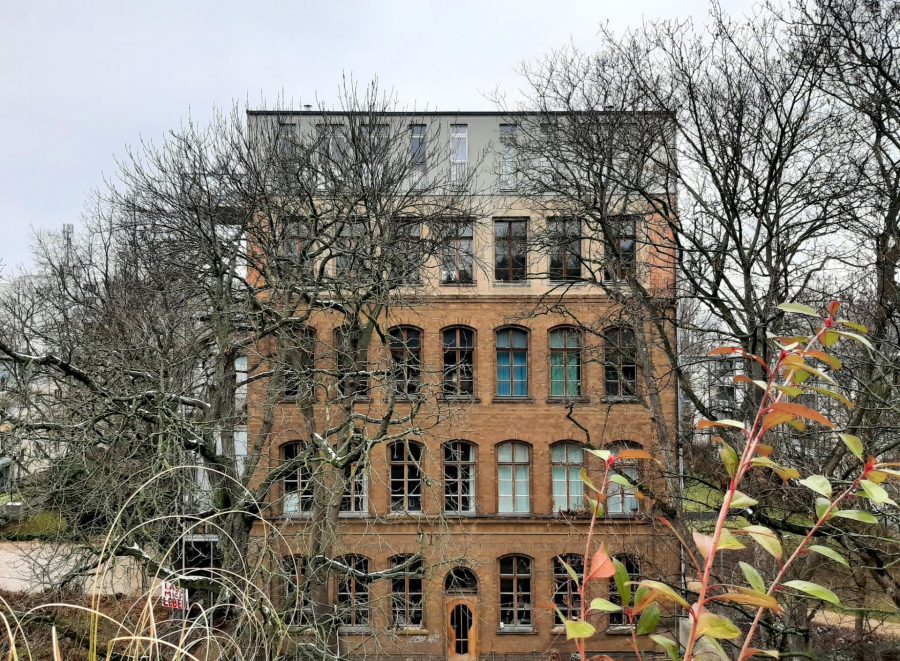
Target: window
x=565 y=363
x=459 y=362
x=406 y=359
x=567 y=460
x=513 y=478
x=353 y=378
x=356 y=484
x=418 y=155
x=406 y=477
x=408 y=254
x=459 y=154
x=461 y=580
x=565 y=595
x=459 y=477
x=457 y=259
x=298 y=609
x=620 y=363
x=621 y=499
x=633 y=567
x=510 y=249
x=353 y=593
x=515 y=592
x=512 y=363
x=298 y=487
x=352 y=251
x=299 y=362
x=508 y=157
x=565 y=248
x=406 y=595
x=621 y=247
x=332 y=152
x=294 y=244
x=200 y=558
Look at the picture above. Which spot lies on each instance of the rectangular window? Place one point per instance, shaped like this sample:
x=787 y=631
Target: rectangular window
x=621 y=248
x=298 y=608
x=512 y=363
x=355 y=497
x=409 y=255
x=510 y=248
x=565 y=248
x=406 y=476
x=459 y=362
x=567 y=460
x=620 y=363
x=353 y=594
x=332 y=149
x=297 y=483
x=352 y=364
x=513 y=478
x=418 y=156
x=459 y=477
x=515 y=592
x=457 y=257
x=621 y=499
x=459 y=154
x=508 y=157
x=566 y=597
x=353 y=252
x=565 y=363
x=407 y=596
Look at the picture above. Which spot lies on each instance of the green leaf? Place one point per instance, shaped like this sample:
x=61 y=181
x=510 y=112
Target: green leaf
x=854 y=444
x=666 y=592
x=822 y=505
x=829 y=553
x=648 y=621
x=766 y=539
x=571 y=572
x=669 y=645
x=876 y=493
x=859 y=328
x=579 y=629
x=754 y=580
x=729 y=458
x=604 y=606
x=621 y=480
x=716 y=626
x=621 y=579
x=857 y=338
x=799 y=308
x=727 y=541
x=742 y=501
x=818 y=483
x=857 y=515
x=814 y=590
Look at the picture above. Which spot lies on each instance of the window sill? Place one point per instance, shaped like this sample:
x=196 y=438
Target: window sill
x=620 y=630
x=527 y=631
x=558 y=282
x=353 y=515
x=624 y=400
x=406 y=515
x=296 y=516
x=512 y=400
x=354 y=629
x=511 y=283
x=460 y=515
x=515 y=515
x=567 y=400
x=459 y=284
x=410 y=631
x=461 y=400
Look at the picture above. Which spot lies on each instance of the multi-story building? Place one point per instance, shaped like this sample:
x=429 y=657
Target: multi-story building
x=491 y=494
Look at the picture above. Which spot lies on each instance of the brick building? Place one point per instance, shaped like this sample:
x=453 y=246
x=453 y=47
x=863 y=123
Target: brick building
x=489 y=493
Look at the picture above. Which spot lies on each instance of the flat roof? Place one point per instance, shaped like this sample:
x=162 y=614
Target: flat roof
x=456 y=113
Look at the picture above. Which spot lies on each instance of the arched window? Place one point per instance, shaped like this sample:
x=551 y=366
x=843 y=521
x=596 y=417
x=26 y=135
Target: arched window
x=565 y=362
x=296 y=597
x=620 y=499
x=620 y=362
x=351 y=363
x=513 y=478
x=459 y=477
x=566 y=462
x=406 y=476
x=565 y=596
x=407 y=595
x=461 y=580
x=633 y=567
x=299 y=350
x=515 y=592
x=406 y=359
x=459 y=361
x=297 y=483
x=512 y=362
x=353 y=592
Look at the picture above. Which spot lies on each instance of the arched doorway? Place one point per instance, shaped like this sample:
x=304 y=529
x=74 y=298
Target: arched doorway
x=461 y=590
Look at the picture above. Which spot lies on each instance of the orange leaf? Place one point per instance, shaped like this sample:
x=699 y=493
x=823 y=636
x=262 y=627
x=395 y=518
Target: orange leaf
x=774 y=419
x=800 y=411
x=725 y=351
x=601 y=565
x=765 y=450
x=634 y=454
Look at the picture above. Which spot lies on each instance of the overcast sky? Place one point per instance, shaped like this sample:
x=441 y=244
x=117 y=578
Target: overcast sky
x=81 y=80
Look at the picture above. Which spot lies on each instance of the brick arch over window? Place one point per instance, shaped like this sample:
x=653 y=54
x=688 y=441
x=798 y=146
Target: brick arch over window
x=513 y=477
x=458 y=360
x=566 y=343
x=512 y=361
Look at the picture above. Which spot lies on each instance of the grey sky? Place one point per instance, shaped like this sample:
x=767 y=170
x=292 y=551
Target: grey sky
x=82 y=80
